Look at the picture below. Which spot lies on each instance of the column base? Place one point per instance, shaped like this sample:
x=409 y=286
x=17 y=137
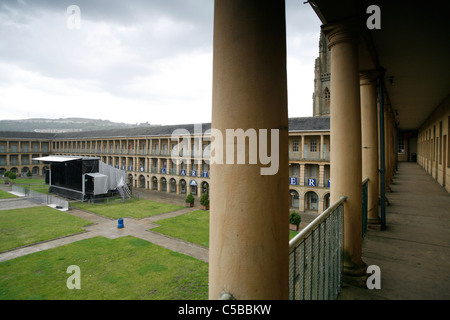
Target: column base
x=356 y=281
x=356 y=270
x=374 y=224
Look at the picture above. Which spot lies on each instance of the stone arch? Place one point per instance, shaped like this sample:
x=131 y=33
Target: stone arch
x=205 y=187
x=326 y=201
x=311 y=201
x=183 y=186
x=142 y=181
x=173 y=185
x=295 y=198
x=154 y=183
x=163 y=184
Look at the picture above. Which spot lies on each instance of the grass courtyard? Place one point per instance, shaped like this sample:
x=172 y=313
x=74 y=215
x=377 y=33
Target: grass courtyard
x=124 y=268
x=119 y=269
x=132 y=208
x=6 y=195
x=127 y=268
x=20 y=227
x=36 y=184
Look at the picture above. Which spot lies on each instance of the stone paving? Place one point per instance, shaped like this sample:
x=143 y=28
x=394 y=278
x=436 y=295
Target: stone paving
x=106 y=227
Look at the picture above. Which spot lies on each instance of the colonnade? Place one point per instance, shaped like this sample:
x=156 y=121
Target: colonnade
x=248 y=235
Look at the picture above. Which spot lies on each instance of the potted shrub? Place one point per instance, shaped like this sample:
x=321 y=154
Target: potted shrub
x=6 y=175
x=12 y=175
x=190 y=200
x=29 y=174
x=204 y=201
x=294 y=221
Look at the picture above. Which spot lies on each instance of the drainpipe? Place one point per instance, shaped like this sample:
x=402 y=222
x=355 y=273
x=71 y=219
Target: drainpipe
x=382 y=151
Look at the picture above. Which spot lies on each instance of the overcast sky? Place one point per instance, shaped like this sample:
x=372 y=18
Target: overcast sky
x=130 y=61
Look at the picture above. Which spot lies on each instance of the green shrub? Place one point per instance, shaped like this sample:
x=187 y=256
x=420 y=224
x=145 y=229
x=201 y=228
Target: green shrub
x=204 y=200
x=11 y=175
x=294 y=218
x=190 y=198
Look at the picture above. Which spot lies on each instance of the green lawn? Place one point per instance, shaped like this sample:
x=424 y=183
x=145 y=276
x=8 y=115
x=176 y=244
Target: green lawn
x=35 y=184
x=25 y=180
x=137 y=209
x=292 y=234
x=121 y=269
x=21 y=227
x=191 y=227
x=6 y=195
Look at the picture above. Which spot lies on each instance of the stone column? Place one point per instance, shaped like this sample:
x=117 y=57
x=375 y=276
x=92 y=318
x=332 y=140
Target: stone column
x=369 y=127
x=302 y=174
x=321 y=153
x=302 y=147
x=249 y=241
x=321 y=176
x=346 y=155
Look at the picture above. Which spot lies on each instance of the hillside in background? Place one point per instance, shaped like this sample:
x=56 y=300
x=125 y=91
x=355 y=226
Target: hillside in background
x=64 y=125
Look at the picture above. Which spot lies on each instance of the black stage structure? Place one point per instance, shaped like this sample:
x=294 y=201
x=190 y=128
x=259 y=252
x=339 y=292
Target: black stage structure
x=82 y=178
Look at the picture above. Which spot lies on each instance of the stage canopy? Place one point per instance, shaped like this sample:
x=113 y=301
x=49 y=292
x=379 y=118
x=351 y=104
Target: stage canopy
x=60 y=159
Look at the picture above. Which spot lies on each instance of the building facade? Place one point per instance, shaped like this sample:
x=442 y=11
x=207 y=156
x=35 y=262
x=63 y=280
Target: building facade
x=18 y=149
x=164 y=160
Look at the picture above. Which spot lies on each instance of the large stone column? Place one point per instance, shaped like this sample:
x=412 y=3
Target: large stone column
x=249 y=241
x=369 y=127
x=345 y=135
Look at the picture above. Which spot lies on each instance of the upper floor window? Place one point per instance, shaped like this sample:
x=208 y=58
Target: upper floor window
x=295 y=145
x=313 y=145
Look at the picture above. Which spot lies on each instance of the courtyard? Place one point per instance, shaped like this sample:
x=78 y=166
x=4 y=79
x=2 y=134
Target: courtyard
x=160 y=254
x=39 y=243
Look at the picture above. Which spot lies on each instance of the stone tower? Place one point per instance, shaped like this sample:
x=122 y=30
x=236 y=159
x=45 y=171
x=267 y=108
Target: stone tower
x=321 y=96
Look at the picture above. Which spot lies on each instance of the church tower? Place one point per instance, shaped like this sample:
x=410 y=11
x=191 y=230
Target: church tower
x=321 y=96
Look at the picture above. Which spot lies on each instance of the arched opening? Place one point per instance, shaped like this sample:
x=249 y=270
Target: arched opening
x=326 y=201
x=326 y=101
x=295 y=199
x=163 y=184
x=205 y=187
x=130 y=179
x=154 y=183
x=24 y=171
x=194 y=187
x=311 y=201
x=173 y=185
x=141 y=181
x=183 y=186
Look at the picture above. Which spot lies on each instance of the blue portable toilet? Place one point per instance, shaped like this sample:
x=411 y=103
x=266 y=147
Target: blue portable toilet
x=120 y=225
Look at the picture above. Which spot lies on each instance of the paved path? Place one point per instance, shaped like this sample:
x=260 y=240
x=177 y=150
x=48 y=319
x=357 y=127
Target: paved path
x=106 y=227
x=413 y=252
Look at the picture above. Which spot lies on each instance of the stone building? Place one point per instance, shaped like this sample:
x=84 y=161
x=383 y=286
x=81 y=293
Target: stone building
x=165 y=159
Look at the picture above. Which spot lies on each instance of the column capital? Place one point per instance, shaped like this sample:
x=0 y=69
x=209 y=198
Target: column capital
x=368 y=77
x=341 y=32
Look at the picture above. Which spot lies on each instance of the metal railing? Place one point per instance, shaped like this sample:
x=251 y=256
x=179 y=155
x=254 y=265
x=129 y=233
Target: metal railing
x=42 y=198
x=315 y=257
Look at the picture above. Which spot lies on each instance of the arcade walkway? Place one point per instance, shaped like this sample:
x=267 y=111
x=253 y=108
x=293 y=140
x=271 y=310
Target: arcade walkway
x=413 y=252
